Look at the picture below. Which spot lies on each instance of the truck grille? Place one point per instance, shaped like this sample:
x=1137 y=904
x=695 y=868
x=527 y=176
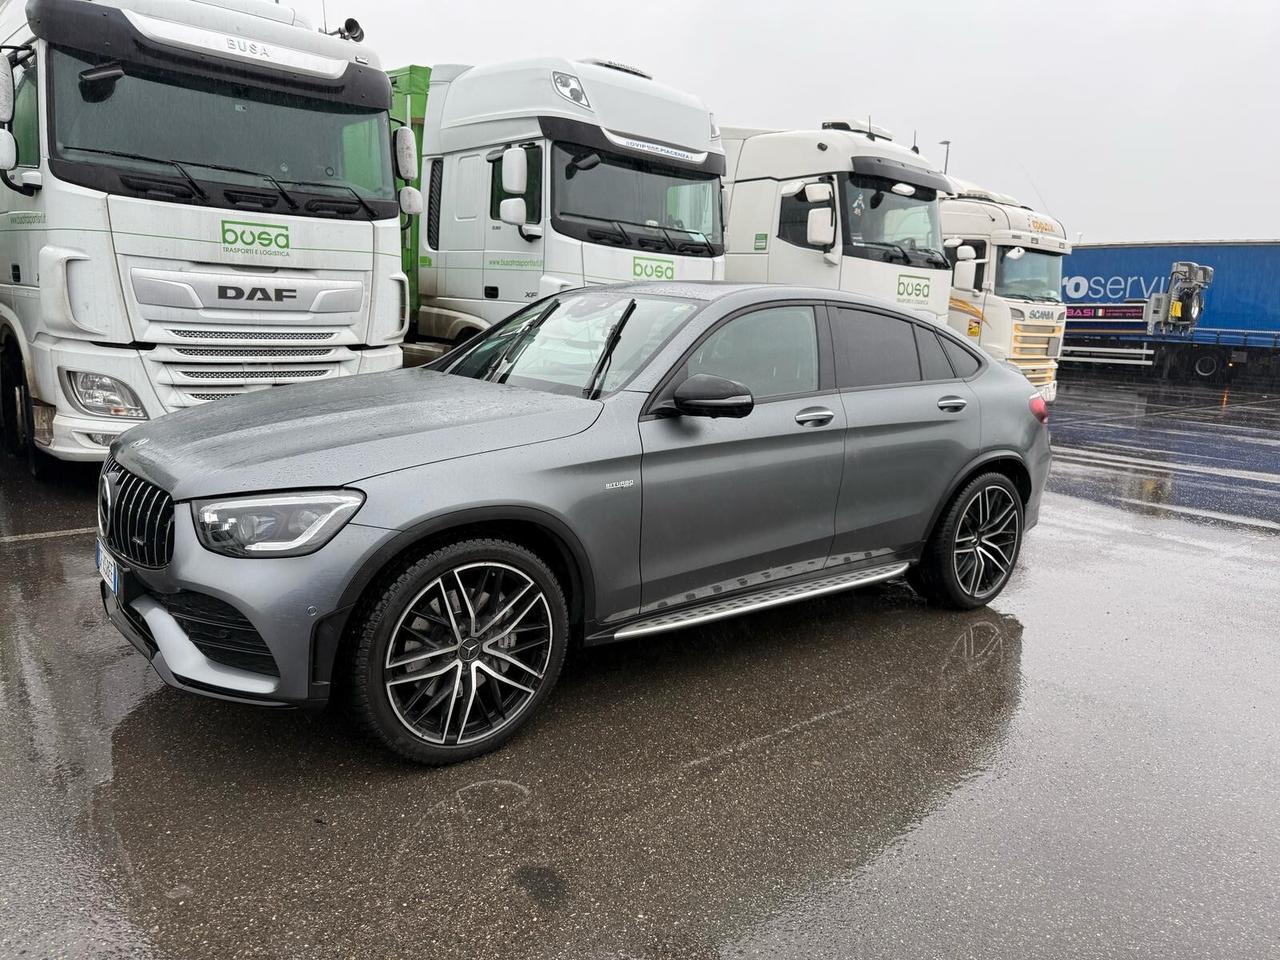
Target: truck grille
x=135 y=517
x=258 y=353
x=1035 y=350
x=278 y=335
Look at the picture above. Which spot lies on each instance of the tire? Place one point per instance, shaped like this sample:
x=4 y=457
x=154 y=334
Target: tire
x=457 y=652
x=1192 y=305
x=10 y=399
x=962 y=573
x=1207 y=365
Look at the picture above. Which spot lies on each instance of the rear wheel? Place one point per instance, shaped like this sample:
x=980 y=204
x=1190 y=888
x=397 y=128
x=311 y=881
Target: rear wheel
x=459 y=651
x=972 y=552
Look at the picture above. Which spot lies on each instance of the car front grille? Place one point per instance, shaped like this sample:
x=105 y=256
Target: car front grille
x=220 y=631
x=135 y=517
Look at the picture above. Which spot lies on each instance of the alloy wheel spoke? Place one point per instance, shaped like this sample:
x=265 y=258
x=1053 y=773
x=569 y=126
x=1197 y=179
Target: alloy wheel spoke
x=419 y=655
x=507 y=658
x=466 y=602
x=503 y=678
x=995 y=562
x=419 y=675
x=497 y=617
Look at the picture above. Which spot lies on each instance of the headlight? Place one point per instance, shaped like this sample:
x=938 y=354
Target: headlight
x=274 y=525
x=104 y=396
x=1016 y=315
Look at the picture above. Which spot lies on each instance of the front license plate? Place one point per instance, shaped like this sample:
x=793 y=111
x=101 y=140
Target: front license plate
x=107 y=568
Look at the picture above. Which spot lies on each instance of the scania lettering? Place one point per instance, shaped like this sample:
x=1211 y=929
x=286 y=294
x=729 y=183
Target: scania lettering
x=1006 y=291
x=197 y=199
x=842 y=207
x=543 y=175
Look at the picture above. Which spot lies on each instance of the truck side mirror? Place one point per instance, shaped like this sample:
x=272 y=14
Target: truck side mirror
x=966 y=252
x=817 y=193
x=411 y=201
x=821 y=228
x=8 y=152
x=512 y=210
x=406 y=153
x=6 y=94
x=965 y=274
x=515 y=172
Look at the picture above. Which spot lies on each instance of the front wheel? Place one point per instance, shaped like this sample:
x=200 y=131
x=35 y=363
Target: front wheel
x=459 y=651
x=973 y=549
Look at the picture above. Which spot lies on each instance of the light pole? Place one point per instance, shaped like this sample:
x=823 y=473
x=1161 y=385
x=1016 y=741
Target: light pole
x=946 y=161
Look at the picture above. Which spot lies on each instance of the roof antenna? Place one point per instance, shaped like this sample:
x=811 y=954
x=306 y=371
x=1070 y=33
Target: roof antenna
x=871 y=134
x=914 y=147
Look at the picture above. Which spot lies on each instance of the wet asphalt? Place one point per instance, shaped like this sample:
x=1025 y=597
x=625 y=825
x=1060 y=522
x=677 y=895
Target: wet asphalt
x=1088 y=768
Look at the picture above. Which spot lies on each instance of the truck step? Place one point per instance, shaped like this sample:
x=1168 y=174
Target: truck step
x=762 y=600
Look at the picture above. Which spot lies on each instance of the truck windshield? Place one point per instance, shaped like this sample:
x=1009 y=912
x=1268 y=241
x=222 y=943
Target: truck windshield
x=1033 y=276
x=605 y=198
x=104 y=114
x=880 y=224
x=560 y=345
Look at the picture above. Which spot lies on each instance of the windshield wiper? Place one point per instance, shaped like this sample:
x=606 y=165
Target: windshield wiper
x=293 y=204
x=373 y=214
x=938 y=256
x=901 y=250
x=596 y=384
x=518 y=341
x=199 y=190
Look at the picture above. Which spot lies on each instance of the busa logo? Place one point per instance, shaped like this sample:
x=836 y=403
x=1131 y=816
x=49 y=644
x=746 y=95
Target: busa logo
x=244 y=237
x=653 y=268
x=281 y=295
x=912 y=288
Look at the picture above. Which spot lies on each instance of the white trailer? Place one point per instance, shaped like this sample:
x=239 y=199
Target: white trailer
x=547 y=174
x=842 y=208
x=198 y=201
x=1007 y=287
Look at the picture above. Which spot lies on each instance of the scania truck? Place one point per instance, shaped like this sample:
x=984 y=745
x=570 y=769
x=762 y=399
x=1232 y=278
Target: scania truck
x=546 y=174
x=841 y=207
x=1007 y=285
x=198 y=199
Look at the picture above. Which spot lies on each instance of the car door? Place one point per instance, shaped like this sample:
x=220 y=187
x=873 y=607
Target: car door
x=733 y=503
x=912 y=425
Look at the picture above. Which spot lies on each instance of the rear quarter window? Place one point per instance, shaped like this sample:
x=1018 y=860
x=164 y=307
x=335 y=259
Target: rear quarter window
x=963 y=362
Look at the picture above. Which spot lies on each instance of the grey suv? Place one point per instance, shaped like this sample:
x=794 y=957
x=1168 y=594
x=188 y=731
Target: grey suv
x=606 y=464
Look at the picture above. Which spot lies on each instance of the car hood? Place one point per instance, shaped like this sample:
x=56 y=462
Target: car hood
x=335 y=433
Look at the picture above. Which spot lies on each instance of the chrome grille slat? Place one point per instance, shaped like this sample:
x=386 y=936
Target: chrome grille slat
x=265 y=353
x=253 y=374
x=139 y=527
x=278 y=335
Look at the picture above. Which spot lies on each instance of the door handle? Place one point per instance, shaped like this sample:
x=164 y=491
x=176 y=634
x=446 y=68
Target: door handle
x=814 y=416
x=952 y=404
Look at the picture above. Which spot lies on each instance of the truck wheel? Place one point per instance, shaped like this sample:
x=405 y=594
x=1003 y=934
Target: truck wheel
x=11 y=399
x=972 y=551
x=1192 y=306
x=1207 y=365
x=457 y=652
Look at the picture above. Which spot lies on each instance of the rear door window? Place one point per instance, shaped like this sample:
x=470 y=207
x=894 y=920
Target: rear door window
x=873 y=349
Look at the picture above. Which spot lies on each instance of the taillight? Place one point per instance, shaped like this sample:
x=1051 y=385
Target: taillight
x=1039 y=409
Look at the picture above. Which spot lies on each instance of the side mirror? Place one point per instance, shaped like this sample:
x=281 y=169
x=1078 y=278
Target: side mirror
x=1017 y=253
x=411 y=201
x=515 y=172
x=817 y=193
x=8 y=152
x=821 y=228
x=405 y=146
x=966 y=252
x=6 y=93
x=965 y=274
x=704 y=395
x=951 y=243
x=513 y=211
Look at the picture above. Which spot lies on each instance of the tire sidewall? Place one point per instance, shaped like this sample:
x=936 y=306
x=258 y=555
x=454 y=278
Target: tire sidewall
x=378 y=628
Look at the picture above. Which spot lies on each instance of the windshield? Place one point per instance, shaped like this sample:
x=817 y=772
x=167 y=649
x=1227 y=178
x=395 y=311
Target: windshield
x=605 y=198
x=882 y=225
x=116 y=117
x=559 y=345
x=1033 y=276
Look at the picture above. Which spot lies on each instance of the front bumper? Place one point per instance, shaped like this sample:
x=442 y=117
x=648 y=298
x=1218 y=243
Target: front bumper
x=293 y=604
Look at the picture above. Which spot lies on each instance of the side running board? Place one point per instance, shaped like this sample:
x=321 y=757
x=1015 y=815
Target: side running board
x=762 y=600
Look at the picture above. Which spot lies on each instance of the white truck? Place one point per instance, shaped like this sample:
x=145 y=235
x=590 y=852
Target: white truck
x=1007 y=286
x=197 y=200
x=842 y=207
x=546 y=174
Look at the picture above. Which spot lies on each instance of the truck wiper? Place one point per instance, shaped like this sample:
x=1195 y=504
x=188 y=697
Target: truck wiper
x=938 y=256
x=199 y=190
x=293 y=204
x=373 y=214
x=596 y=384
x=901 y=250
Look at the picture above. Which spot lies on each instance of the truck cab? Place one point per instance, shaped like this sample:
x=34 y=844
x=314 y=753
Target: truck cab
x=1007 y=286
x=842 y=207
x=546 y=174
x=198 y=201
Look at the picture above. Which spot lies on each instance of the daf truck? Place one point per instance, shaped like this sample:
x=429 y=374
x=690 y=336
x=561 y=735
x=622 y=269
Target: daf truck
x=197 y=199
x=546 y=174
x=1006 y=292
x=841 y=207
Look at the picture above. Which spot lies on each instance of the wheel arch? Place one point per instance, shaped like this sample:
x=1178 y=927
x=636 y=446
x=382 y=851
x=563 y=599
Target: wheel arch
x=1008 y=462
x=545 y=534
x=11 y=335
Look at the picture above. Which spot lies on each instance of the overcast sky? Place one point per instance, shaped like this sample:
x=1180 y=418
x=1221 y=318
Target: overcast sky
x=1127 y=119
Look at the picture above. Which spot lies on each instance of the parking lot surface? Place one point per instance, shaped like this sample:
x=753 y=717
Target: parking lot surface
x=1086 y=769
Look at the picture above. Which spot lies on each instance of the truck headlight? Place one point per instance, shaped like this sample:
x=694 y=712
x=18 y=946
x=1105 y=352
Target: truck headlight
x=274 y=525
x=103 y=396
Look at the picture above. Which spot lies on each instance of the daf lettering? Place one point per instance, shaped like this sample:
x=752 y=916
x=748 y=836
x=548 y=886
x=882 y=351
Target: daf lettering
x=279 y=295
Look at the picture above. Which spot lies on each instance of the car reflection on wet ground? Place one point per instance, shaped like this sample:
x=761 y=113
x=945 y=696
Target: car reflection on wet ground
x=1085 y=769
